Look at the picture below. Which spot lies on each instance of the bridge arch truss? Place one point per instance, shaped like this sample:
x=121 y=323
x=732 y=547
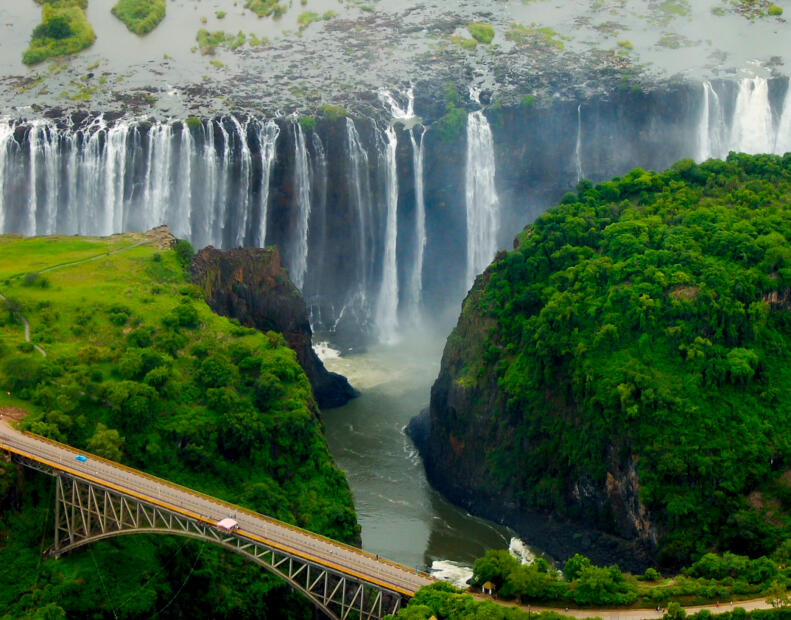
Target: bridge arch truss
x=86 y=512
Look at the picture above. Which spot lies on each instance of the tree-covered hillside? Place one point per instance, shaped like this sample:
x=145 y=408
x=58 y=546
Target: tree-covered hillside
x=138 y=369
x=629 y=363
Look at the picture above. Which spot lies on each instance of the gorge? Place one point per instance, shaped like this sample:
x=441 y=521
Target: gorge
x=390 y=153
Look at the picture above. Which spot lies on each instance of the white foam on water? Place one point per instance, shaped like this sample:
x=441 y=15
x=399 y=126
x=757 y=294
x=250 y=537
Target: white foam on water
x=325 y=351
x=456 y=573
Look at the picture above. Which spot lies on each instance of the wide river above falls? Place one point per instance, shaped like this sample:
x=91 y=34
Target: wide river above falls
x=401 y=516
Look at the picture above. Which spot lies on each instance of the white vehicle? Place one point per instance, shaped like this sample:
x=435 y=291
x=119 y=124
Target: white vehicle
x=227 y=525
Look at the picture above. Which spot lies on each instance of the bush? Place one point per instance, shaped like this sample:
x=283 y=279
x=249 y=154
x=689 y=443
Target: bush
x=70 y=27
x=140 y=16
x=483 y=33
x=184 y=253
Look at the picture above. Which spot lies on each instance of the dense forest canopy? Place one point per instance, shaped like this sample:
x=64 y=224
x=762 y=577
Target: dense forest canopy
x=644 y=323
x=138 y=369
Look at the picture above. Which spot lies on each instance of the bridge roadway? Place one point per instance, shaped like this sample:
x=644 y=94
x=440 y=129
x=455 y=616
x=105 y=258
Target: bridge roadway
x=324 y=551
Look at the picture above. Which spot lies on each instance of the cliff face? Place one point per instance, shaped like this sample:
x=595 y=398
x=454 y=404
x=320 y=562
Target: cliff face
x=468 y=421
x=619 y=370
x=251 y=285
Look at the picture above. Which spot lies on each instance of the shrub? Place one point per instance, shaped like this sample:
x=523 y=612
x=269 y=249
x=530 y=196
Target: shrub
x=140 y=16
x=333 y=112
x=265 y=8
x=64 y=29
x=774 y=10
x=483 y=33
x=184 y=253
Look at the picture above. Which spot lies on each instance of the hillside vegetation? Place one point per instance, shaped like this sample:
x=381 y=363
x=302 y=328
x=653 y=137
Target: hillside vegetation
x=628 y=364
x=139 y=369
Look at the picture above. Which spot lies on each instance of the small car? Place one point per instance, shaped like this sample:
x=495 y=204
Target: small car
x=81 y=458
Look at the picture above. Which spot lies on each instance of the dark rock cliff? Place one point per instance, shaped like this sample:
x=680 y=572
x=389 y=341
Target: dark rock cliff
x=251 y=285
x=463 y=425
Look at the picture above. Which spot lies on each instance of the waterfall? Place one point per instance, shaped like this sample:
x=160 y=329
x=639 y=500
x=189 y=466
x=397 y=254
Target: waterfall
x=711 y=126
x=416 y=277
x=298 y=264
x=482 y=202
x=157 y=193
x=115 y=156
x=387 y=304
x=751 y=130
x=268 y=133
x=6 y=140
x=406 y=116
x=783 y=138
x=183 y=217
x=222 y=189
x=242 y=201
x=359 y=184
x=318 y=235
x=578 y=147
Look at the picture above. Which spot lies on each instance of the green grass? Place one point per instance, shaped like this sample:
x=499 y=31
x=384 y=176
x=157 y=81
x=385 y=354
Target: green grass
x=483 y=33
x=208 y=42
x=140 y=16
x=543 y=36
x=195 y=398
x=64 y=30
x=463 y=42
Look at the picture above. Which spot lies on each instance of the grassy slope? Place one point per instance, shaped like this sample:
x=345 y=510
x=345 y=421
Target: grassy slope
x=214 y=406
x=635 y=325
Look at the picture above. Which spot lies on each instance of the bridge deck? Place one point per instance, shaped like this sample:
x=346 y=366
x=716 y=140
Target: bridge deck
x=324 y=551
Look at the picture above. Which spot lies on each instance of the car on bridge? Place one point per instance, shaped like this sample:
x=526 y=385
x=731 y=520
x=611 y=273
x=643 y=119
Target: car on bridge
x=227 y=525
x=81 y=458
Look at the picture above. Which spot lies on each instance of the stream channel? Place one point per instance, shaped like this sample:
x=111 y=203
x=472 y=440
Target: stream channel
x=402 y=517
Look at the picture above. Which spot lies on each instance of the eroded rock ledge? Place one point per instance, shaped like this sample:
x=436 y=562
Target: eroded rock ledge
x=251 y=285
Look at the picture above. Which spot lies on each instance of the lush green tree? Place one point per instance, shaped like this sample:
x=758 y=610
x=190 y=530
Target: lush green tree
x=106 y=442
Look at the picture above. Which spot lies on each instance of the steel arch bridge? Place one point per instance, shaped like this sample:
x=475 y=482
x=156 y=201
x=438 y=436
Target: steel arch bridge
x=341 y=581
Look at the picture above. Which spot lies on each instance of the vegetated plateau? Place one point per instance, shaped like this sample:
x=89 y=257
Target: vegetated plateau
x=138 y=369
x=627 y=365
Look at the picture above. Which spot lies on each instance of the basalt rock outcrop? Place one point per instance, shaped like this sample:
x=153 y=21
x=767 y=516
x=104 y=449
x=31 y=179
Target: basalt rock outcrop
x=251 y=285
x=460 y=430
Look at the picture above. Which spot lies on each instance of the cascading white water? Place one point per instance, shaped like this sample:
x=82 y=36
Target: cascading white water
x=387 y=303
x=222 y=187
x=157 y=194
x=359 y=184
x=298 y=264
x=406 y=116
x=183 y=208
x=711 y=127
x=416 y=277
x=578 y=146
x=483 y=204
x=268 y=133
x=242 y=202
x=6 y=140
x=209 y=170
x=32 y=204
x=783 y=138
x=49 y=147
x=115 y=156
x=751 y=130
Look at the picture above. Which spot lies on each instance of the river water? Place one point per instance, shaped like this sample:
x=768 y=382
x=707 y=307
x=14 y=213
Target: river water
x=401 y=516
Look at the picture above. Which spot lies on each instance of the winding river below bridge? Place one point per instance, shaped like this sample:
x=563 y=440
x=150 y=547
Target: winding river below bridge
x=401 y=516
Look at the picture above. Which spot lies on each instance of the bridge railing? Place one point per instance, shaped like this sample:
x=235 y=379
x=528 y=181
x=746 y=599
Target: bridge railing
x=224 y=504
